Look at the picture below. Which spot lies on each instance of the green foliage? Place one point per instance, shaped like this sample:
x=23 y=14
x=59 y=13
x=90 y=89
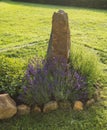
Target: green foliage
x=88 y=27
x=95 y=118
x=87 y=64
x=83 y=3
x=45 y=81
x=11 y=74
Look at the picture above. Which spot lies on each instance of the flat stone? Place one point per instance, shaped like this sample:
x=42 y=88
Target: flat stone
x=78 y=105
x=50 y=106
x=23 y=109
x=36 y=109
x=7 y=106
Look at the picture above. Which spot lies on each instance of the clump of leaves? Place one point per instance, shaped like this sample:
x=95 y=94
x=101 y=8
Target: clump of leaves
x=47 y=80
x=11 y=74
x=44 y=81
x=86 y=63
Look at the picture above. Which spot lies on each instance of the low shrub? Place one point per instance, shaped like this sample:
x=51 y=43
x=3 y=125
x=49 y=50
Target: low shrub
x=11 y=74
x=51 y=80
x=86 y=63
x=45 y=81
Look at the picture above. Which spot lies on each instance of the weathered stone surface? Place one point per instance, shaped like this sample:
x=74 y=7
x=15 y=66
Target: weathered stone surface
x=90 y=102
x=23 y=109
x=78 y=105
x=50 y=106
x=7 y=106
x=59 y=44
x=65 y=105
x=36 y=109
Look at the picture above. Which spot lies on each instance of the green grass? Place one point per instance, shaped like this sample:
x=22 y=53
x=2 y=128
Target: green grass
x=91 y=119
x=24 y=32
x=31 y=24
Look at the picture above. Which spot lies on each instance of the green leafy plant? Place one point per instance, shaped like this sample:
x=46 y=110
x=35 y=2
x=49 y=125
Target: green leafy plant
x=11 y=74
x=45 y=81
x=86 y=64
x=50 y=80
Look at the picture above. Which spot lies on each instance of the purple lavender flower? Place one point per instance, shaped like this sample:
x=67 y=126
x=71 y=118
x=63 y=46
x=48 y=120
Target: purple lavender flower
x=25 y=89
x=47 y=79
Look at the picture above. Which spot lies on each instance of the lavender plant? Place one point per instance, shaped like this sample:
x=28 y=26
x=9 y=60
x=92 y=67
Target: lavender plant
x=44 y=81
x=47 y=80
x=79 y=90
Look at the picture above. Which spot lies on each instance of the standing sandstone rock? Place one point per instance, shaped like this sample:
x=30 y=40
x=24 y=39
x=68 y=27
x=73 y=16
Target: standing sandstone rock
x=7 y=106
x=59 y=44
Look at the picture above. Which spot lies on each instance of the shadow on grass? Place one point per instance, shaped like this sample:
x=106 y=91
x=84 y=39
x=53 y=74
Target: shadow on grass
x=93 y=118
x=48 y=6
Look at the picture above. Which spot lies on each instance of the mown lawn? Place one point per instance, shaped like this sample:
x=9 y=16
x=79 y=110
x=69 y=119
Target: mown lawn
x=24 y=32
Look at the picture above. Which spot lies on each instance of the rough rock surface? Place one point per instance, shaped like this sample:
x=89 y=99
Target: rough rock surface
x=7 y=106
x=50 y=106
x=23 y=109
x=36 y=109
x=78 y=105
x=59 y=44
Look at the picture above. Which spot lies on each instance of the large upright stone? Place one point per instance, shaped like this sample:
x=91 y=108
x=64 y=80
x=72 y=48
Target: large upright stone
x=59 y=44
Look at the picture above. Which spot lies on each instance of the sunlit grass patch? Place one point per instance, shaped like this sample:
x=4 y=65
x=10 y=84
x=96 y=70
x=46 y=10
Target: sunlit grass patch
x=24 y=32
